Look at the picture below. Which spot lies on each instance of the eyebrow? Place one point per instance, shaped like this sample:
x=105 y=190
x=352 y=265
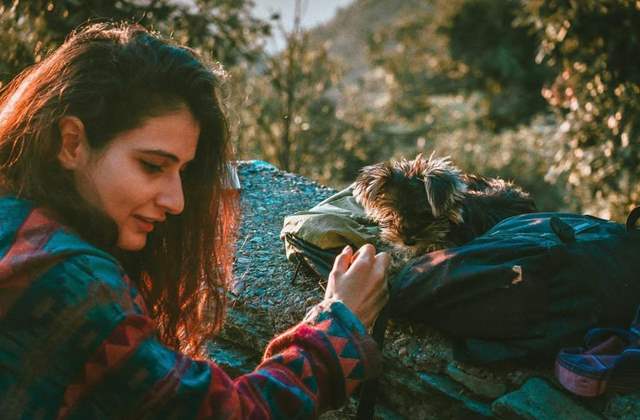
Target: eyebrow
x=162 y=153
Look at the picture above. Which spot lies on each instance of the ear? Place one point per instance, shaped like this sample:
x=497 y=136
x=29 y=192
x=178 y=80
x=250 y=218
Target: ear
x=370 y=181
x=74 y=150
x=444 y=187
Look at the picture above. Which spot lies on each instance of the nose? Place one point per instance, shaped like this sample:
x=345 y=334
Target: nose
x=171 y=197
x=409 y=241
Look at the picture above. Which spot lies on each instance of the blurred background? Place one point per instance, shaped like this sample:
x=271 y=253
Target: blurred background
x=546 y=93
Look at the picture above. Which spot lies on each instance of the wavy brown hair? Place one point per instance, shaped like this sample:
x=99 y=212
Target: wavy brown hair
x=113 y=77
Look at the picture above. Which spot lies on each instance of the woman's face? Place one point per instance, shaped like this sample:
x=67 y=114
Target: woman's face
x=136 y=179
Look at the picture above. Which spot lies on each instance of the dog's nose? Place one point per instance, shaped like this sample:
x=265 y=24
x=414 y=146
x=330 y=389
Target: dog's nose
x=409 y=241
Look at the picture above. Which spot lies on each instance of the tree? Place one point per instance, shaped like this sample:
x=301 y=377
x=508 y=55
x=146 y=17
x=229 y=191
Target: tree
x=463 y=46
x=592 y=47
x=414 y=58
x=287 y=114
x=499 y=52
x=223 y=29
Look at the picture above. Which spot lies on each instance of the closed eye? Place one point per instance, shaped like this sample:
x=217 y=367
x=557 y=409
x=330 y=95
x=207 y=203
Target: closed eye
x=151 y=168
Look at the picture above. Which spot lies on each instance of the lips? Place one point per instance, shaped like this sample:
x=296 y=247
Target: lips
x=144 y=223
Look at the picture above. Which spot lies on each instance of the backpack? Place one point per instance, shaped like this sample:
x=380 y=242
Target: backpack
x=530 y=285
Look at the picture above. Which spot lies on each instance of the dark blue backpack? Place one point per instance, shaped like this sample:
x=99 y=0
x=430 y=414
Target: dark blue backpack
x=532 y=284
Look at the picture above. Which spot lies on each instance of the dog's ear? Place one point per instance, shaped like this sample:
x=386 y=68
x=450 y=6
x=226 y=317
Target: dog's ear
x=444 y=186
x=370 y=181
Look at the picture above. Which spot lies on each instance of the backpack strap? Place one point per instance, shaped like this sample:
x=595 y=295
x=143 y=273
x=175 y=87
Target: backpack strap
x=563 y=230
x=633 y=218
x=369 y=391
x=596 y=336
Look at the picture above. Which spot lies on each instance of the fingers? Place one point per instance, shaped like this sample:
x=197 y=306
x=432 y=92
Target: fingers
x=359 y=280
x=343 y=260
x=383 y=260
x=365 y=251
x=383 y=297
x=363 y=259
x=366 y=261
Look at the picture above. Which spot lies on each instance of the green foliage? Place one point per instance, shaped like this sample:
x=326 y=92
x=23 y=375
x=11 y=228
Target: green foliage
x=593 y=47
x=500 y=56
x=283 y=99
x=463 y=46
x=223 y=29
x=289 y=115
x=521 y=155
x=414 y=56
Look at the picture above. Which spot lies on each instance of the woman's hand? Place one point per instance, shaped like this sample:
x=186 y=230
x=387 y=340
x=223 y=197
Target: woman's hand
x=358 y=280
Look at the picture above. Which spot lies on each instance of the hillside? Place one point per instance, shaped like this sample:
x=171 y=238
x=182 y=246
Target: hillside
x=348 y=31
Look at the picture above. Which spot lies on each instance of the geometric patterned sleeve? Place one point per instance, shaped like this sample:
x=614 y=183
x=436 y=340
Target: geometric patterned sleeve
x=305 y=371
x=76 y=342
x=309 y=369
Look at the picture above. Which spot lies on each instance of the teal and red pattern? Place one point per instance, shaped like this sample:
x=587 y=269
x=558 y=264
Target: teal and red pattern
x=76 y=342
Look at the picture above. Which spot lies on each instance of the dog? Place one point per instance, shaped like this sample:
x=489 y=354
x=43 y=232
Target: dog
x=423 y=205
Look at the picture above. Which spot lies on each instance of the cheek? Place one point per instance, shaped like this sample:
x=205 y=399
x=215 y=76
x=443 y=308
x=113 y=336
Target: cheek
x=120 y=191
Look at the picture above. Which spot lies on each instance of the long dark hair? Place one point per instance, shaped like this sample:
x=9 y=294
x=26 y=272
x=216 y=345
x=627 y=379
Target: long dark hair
x=113 y=77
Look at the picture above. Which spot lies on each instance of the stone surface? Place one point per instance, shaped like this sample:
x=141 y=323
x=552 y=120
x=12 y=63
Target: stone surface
x=477 y=381
x=234 y=359
x=419 y=365
x=624 y=407
x=455 y=392
x=539 y=400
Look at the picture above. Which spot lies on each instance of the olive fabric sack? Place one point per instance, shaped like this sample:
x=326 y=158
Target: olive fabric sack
x=314 y=237
x=532 y=284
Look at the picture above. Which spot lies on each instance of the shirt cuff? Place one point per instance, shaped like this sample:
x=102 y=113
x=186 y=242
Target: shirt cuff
x=340 y=311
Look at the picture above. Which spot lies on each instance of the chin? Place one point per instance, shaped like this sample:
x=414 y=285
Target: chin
x=132 y=244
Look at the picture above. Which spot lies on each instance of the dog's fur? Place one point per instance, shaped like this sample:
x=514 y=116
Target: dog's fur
x=426 y=204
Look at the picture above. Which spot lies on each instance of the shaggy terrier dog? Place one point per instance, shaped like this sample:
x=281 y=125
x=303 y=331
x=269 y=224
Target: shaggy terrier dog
x=422 y=205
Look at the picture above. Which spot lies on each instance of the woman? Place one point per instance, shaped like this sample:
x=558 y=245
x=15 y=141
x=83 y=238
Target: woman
x=113 y=154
